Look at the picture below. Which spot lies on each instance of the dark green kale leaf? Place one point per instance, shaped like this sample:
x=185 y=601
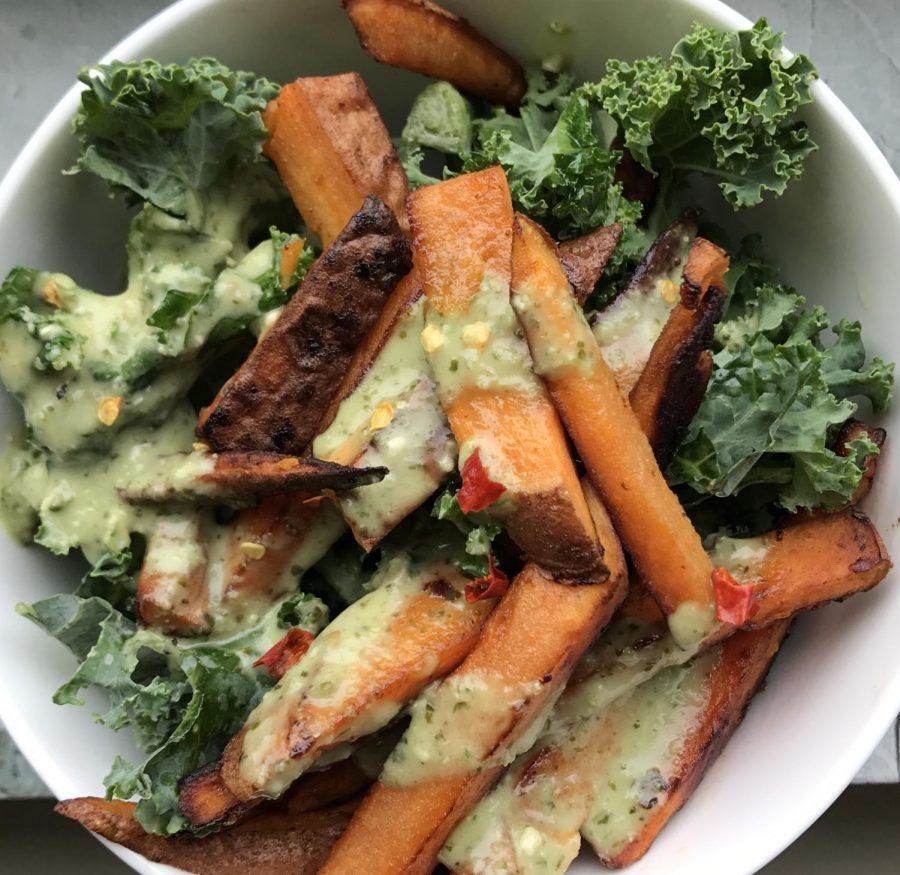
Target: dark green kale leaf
x=479 y=533
x=723 y=105
x=167 y=133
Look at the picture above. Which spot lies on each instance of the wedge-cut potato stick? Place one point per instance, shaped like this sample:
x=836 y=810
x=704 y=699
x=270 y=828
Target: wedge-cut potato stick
x=811 y=561
x=628 y=327
x=423 y=37
x=356 y=677
x=619 y=459
x=584 y=259
x=331 y=149
x=674 y=379
x=694 y=710
x=172 y=593
x=500 y=413
x=272 y=843
x=852 y=429
x=276 y=399
x=242 y=477
x=451 y=755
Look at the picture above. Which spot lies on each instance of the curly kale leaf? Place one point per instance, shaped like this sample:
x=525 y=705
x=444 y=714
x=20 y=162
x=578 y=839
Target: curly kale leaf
x=479 y=533
x=167 y=133
x=775 y=397
x=724 y=105
x=182 y=701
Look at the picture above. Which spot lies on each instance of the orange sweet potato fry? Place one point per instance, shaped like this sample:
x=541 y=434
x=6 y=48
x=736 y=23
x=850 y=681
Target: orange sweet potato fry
x=271 y=843
x=607 y=433
x=331 y=148
x=851 y=429
x=462 y=249
x=423 y=37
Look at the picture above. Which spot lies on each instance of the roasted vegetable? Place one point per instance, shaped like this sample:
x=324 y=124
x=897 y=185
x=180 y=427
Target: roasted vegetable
x=276 y=400
x=424 y=37
x=584 y=258
x=331 y=149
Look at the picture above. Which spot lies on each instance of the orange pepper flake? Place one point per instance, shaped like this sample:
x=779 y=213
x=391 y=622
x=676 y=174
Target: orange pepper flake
x=734 y=602
x=478 y=491
x=287 y=652
x=493 y=585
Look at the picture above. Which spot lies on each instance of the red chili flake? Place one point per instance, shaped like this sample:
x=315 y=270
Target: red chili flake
x=734 y=602
x=493 y=585
x=287 y=652
x=478 y=491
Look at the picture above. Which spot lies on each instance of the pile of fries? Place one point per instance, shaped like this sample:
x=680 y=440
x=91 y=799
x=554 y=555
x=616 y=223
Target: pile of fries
x=549 y=721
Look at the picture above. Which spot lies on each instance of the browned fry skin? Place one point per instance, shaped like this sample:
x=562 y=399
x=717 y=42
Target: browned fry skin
x=584 y=259
x=171 y=599
x=851 y=429
x=331 y=149
x=241 y=478
x=271 y=843
x=673 y=382
x=817 y=559
x=742 y=663
x=423 y=37
x=276 y=399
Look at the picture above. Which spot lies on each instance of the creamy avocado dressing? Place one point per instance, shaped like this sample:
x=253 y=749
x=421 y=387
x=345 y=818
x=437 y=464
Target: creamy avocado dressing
x=392 y=418
x=482 y=348
x=331 y=675
x=553 y=350
x=743 y=558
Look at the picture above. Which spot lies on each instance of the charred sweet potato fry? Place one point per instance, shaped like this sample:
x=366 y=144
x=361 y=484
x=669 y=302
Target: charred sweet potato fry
x=689 y=738
x=651 y=294
x=423 y=37
x=277 y=398
x=242 y=477
x=331 y=148
x=813 y=560
x=673 y=382
x=271 y=843
x=510 y=434
x=617 y=454
x=584 y=258
x=172 y=595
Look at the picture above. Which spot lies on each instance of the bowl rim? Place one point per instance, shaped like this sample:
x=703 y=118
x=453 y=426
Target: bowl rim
x=56 y=123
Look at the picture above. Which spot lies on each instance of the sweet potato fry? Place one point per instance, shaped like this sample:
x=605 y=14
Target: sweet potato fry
x=172 y=592
x=271 y=843
x=515 y=671
x=673 y=382
x=498 y=410
x=276 y=399
x=584 y=258
x=331 y=149
x=619 y=459
x=421 y=36
x=628 y=327
x=851 y=429
x=415 y=627
x=686 y=716
x=242 y=477
x=813 y=560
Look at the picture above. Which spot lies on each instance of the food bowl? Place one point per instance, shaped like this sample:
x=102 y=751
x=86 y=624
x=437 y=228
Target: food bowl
x=836 y=687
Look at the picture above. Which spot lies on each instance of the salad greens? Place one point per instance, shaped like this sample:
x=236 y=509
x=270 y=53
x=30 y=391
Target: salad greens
x=205 y=265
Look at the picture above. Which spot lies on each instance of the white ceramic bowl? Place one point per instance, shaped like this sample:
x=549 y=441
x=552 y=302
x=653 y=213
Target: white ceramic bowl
x=835 y=689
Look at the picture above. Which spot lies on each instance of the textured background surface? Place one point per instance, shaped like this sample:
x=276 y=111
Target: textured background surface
x=855 y=43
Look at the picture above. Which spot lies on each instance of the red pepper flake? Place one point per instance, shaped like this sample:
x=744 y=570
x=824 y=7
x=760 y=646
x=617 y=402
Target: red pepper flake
x=478 y=491
x=734 y=602
x=287 y=652
x=493 y=585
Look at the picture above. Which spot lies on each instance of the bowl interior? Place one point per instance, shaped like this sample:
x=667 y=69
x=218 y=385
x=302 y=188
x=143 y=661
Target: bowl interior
x=837 y=685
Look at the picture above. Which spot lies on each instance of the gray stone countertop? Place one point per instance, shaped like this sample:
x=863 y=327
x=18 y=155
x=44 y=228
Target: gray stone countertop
x=43 y=43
